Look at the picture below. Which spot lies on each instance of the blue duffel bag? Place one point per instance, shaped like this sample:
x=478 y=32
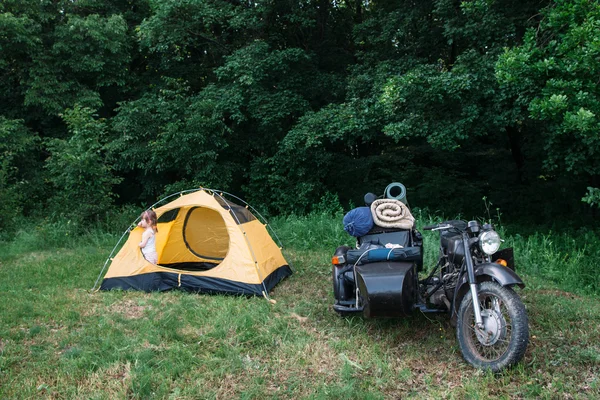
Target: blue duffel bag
x=358 y=222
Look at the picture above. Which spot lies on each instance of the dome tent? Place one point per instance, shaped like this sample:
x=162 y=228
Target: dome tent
x=206 y=244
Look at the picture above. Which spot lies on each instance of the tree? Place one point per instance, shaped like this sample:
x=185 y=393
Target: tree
x=553 y=79
x=285 y=101
x=89 y=53
x=17 y=171
x=167 y=139
x=421 y=95
x=82 y=179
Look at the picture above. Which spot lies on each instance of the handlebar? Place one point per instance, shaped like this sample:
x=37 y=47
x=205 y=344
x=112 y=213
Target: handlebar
x=436 y=227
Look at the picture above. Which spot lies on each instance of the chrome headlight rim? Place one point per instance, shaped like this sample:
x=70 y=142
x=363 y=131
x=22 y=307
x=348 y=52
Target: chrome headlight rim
x=489 y=242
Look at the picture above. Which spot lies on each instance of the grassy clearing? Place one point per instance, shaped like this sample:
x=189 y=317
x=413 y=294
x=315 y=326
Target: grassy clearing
x=58 y=340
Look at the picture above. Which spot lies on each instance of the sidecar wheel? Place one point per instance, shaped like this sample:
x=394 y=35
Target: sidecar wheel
x=503 y=341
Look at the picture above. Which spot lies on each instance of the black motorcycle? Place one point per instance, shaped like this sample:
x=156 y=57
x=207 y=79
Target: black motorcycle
x=472 y=282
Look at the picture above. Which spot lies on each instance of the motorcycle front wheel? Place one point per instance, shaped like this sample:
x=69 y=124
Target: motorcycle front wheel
x=503 y=340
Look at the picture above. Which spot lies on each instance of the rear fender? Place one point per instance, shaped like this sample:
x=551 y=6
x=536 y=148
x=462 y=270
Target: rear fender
x=486 y=272
x=341 y=289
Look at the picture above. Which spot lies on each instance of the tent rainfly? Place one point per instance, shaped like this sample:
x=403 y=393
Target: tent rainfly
x=205 y=244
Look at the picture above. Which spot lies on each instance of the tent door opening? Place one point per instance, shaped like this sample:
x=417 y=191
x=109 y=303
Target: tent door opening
x=197 y=240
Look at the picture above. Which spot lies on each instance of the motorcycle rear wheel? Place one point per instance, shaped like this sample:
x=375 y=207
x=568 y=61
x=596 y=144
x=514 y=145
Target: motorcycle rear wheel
x=503 y=341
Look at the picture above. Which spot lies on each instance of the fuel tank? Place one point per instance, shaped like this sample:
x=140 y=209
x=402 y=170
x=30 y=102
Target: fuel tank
x=388 y=289
x=454 y=247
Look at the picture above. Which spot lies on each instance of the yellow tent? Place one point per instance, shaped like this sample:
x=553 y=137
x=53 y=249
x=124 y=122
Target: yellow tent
x=205 y=243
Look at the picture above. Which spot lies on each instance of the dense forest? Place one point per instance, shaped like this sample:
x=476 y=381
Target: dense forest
x=300 y=105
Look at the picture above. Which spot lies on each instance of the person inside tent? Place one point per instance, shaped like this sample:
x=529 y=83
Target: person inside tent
x=148 y=243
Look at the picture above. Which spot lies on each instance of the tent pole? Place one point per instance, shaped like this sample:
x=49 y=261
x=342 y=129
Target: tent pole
x=262 y=280
x=129 y=230
x=220 y=194
x=111 y=254
x=264 y=220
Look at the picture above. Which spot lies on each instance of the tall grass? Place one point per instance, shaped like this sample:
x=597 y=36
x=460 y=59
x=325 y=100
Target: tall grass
x=570 y=260
x=59 y=340
x=312 y=232
x=56 y=231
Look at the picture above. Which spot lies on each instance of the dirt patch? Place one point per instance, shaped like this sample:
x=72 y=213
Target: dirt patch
x=36 y=256
x=559 y=293
x=129 y=309
x=114 y=381
x=147 y=345
x=299 y=318
x=90 y=312
x=192 y=331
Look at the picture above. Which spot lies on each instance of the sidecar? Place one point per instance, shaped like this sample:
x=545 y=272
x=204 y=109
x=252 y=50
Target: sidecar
x=384 y=268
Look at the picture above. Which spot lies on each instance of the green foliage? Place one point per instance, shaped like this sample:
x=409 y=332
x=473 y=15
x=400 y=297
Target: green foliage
x=318 y=230
x=445 y=107
x=20 y=37
x=454 y=98
x=592 y=197
x=485 y=25
x=409 y=89
x=20 y=40
x=78 y=170
x=168 y=136
x=17 y=148
x=404 y=31
x=88 y=53
x=282 y=102
x=303 y=158
x=187 y=39
x=266 y=95
x=553 y=77
x=570 y=260
x=93 y=48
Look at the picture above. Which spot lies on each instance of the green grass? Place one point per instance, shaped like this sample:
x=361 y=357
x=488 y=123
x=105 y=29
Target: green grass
x=59 y=340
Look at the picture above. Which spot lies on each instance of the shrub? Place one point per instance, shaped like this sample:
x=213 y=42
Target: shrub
x=81 y=177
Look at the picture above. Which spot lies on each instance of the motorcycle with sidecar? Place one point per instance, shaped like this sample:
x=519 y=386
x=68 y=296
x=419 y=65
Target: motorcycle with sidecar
x=473 y=283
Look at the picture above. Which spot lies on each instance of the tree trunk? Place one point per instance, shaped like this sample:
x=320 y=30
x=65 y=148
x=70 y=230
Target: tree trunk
x=514 y=139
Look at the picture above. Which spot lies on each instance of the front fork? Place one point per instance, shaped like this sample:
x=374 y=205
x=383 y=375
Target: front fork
x=472 y=282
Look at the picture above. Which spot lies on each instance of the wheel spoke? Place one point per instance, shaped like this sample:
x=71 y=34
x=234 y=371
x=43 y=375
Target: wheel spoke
x=499 y=342
x=495 y=308
x=496 y=303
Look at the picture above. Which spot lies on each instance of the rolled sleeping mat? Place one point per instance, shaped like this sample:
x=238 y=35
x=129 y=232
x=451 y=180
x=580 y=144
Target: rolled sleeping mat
x=392 y=213
x=396 y=191
x=384 y=254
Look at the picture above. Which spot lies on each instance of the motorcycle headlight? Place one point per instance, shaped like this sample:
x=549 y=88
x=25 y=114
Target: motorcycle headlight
x=489 y=242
